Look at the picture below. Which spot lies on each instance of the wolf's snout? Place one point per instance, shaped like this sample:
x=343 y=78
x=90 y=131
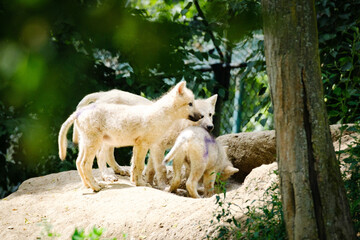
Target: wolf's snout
x=195 y=117
x=209 y=127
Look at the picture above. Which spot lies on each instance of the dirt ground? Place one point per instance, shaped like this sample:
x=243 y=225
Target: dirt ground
x=61 y=202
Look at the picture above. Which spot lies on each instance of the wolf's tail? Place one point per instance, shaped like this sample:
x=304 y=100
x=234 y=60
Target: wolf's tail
x=90 y=98
x=62 y=140
x=178 y=143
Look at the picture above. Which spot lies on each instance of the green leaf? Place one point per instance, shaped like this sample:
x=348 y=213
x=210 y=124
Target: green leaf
x=326 y=37
x=214 y=56
x=199 y=56
x=258 y=117
x=186 y=9
x=337 y=91
x=271 y=110
x=263 y=122
x=129 y=81
x=334 y=113
x=347 y=66
x=176 y=16
x=222 y=92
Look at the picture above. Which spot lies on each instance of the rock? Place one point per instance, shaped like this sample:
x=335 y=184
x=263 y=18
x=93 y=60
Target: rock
x=249 y=150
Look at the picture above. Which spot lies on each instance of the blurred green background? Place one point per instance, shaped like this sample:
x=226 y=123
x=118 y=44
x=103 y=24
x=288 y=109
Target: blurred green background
x=53 y=53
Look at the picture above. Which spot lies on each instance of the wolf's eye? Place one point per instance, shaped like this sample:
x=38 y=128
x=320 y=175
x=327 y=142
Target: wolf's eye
x=210 y=114
x=190 y=104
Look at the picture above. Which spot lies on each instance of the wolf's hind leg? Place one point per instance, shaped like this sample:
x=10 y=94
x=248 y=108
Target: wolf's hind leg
x=113 y=164
x=79 y=159
x=209 y=182
x=177 y=164
x=157 y=155
x=86 y=164
x=101 y=156
x=138 y=163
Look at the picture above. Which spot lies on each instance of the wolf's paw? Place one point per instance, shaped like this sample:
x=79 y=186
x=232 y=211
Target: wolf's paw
x=161 y=185
x=97 y=187
x=122 y=172
x=109 y=178
x=141 y=182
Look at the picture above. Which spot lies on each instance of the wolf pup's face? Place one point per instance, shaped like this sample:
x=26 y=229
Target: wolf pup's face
x=206 y=107
x=227 y=172
x=187 y=105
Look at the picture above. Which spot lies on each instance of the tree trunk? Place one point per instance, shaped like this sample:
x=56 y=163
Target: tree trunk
x=222 y=77
x=313 y=195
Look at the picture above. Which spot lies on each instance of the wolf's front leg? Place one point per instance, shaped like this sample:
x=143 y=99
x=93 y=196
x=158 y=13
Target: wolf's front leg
x=138 y=162
x=209 y=182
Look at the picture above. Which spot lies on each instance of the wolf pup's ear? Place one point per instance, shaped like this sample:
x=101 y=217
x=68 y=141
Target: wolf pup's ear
x=213 y=99
x=181 y=87
x=229 y=170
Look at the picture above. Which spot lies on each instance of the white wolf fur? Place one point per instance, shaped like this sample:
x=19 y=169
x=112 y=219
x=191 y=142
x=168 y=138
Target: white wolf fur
x=122 y=125
x=112 y=96
x=206 y=108
x=106 y=153
x=205 y=157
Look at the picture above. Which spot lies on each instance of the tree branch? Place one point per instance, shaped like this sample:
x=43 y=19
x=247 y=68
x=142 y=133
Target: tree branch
x=207 y=26
x=240 y=65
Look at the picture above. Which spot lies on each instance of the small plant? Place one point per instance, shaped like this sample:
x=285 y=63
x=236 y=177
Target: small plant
x=47 y=232
x=264 y=222
x=351 y=177
x=94 y=234
x=229 y=224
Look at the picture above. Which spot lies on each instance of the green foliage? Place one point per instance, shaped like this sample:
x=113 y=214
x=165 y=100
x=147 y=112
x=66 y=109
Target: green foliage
x=54 y=53
x=94 y=234
x=265 y=222
x=351 y=175
x=339 y=45
x=79 y=234
x=48 y=232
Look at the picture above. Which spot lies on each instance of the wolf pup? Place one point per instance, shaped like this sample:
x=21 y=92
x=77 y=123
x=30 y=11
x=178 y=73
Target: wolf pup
x=122 y=125
x=205 y=156
x=106 y=153
x=206 y=108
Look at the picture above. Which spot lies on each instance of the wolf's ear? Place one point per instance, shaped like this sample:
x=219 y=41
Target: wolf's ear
x=181 y=87
x=213 y=99
x=229 y=170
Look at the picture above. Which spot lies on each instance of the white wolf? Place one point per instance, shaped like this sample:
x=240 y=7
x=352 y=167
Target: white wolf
x=122 y=125
x=206 y=108
x=203 y=155
x=106 y=153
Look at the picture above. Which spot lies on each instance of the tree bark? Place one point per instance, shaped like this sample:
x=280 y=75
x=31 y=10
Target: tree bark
x=313 y=195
